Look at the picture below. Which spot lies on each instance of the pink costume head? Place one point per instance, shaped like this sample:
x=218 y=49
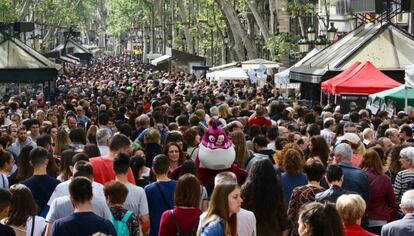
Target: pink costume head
x=216 y=149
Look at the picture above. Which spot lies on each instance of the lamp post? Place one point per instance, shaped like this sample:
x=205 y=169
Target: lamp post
x=226 y=45
x=320 y=42
x=159 y=42
x=332 y=32
x=311 y=33
x=169 y=39
x=184 y=41
x=303 y=45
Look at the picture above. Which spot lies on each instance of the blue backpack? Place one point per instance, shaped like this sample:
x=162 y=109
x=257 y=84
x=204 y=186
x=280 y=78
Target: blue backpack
x=121 y=226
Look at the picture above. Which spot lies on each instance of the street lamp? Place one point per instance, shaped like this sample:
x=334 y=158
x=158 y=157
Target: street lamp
x=226 y=38
x=184 y=39
x=303 y=45
x=331 y=33
x=320 y=42
x=226 y=43
x=169 y=39
x=311 y=33
x=159 y=41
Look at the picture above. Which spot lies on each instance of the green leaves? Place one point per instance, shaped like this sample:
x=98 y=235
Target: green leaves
x=300 y=8
x=8 y=12
x=283 y=44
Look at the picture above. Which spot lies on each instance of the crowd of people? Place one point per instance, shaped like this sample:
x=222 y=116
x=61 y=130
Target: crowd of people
x=117 y=153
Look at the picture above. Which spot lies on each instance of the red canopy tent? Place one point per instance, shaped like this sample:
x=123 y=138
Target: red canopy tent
x=364 y=79
x=327 y=86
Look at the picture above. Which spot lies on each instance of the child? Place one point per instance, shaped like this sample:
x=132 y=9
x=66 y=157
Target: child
x=116 y=194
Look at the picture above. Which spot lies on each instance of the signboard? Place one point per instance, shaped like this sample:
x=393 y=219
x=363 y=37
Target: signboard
x=352 y=99
x=288 y=86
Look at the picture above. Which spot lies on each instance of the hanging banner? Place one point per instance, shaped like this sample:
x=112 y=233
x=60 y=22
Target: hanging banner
x=409 y=76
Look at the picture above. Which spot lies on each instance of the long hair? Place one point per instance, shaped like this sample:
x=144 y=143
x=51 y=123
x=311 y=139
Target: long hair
x=65 y=163
x=181 y=157
x=263 y=195
x=62 y=139
x=324 y=220
x=219 y=206
x=22 y=205
x=372 y=161
x=319 y=149
x=393 y=160
x=242 y=152
x=25 y=170
x=187 y=192
x=224 y=111
x=91 y=134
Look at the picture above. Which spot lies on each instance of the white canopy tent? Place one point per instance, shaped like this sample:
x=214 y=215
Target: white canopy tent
x=225 y=66
x=255 y=64
x=160 y=59
x=284 y=75
x=229 y=74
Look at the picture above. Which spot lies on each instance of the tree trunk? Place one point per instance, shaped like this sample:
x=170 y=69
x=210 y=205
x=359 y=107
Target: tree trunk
x=184 y=18
x=236 y=46
x=300 y=20
x=25 y=6
x=272 y=8
x=237 y=29
x=259 y=20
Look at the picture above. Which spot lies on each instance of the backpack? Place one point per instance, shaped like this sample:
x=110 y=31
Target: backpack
x=410 y=185
x=121 y=226
x=193 y=231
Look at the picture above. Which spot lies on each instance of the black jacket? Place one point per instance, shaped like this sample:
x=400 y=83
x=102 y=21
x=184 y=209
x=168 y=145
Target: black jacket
x=331 y=194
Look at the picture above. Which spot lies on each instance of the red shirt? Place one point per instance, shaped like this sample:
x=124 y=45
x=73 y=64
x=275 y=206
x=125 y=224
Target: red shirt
x=186 y=218
x=356 y=230
x=259 y=120
x=207 y=176
x=103 y=170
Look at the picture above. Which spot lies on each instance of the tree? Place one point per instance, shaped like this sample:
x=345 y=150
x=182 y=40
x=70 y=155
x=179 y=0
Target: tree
x=8 y=12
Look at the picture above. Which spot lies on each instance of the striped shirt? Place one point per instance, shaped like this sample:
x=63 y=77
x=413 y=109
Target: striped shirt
x=401 y=184
x=328 y=135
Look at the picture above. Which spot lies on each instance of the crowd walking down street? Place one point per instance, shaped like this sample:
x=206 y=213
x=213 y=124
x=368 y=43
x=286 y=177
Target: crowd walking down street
x=125 y=149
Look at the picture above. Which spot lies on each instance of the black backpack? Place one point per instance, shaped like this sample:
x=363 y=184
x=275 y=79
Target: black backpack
x=193 y=232
x=411 y=184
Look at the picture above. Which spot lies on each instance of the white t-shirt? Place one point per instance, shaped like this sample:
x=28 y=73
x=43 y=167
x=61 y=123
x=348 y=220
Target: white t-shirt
x=62 y=189
x=62 y=206
x=39 y=226
x=136 y=200
x=246 y=223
